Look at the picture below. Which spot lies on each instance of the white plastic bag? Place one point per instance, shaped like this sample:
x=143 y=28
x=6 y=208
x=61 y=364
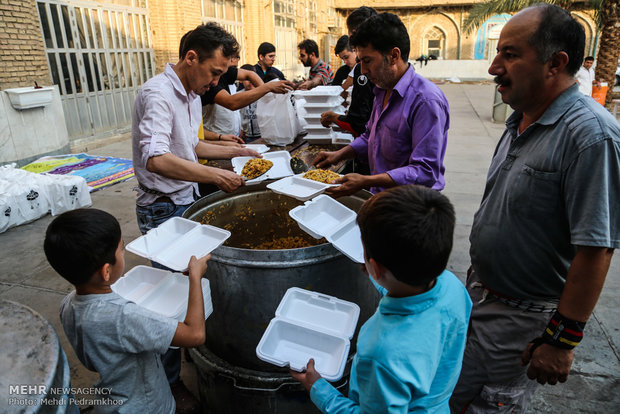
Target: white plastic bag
x=277 y=118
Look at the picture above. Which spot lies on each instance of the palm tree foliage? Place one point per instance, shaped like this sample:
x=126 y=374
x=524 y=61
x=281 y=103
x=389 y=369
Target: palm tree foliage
x=606 y=14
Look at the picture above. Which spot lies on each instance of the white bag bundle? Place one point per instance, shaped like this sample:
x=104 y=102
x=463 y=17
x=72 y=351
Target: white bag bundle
x=277 y=118
x=65 y=192
x=29 y=199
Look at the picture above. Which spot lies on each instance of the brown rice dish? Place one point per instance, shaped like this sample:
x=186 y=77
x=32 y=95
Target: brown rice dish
x=256 y=167
x=323 y=176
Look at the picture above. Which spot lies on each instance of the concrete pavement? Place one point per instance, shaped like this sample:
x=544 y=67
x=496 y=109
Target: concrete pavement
x=594 y=383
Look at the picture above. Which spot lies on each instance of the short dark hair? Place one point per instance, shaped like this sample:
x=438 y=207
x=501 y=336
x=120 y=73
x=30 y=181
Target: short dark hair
x=383 y=32
x=309 y=46
x=589 y=59
x=342 y=44
x=557 y=32
x=79 y=242
x=358 y=16
x=247 y=66
x=206 y=39
x=265 y=48
x=409 y=230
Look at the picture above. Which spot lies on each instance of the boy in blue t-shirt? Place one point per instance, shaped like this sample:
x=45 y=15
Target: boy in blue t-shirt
x=409 y=353
x=111 y=335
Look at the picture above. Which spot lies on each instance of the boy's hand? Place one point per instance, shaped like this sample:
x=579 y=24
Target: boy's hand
x=307 y=378
x=197 y=267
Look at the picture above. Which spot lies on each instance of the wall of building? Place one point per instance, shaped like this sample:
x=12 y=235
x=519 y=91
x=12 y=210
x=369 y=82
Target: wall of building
x=22 y=53
x=170 y=20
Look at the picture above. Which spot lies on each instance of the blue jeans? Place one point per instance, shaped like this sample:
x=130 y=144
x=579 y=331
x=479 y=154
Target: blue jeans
x=150 y=217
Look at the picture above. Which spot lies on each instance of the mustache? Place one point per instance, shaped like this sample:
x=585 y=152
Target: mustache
x=501 y=81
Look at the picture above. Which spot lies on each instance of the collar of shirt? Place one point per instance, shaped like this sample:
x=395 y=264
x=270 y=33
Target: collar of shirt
x=412 y=304
x=176 y=82
x=553 y=113
x=318 y=64
x=402 y=85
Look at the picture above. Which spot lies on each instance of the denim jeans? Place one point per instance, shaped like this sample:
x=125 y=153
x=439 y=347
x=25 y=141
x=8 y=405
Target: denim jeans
x=150 y=217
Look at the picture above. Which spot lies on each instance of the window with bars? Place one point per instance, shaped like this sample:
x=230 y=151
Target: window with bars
x=98 y=55
x=434 y=41
x=284 y=13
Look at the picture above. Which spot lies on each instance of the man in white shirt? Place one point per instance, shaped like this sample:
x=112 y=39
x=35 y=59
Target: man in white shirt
x=166 y=118
x=585 y=76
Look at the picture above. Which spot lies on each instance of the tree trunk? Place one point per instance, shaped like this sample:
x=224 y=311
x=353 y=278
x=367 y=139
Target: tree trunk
x=609 y=46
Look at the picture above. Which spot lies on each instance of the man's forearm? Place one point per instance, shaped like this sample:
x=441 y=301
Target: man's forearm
x=171 y=166
x=584 y=282
x=241 y=99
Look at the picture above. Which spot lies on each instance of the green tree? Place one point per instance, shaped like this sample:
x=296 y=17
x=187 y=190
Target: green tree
x=607 y=14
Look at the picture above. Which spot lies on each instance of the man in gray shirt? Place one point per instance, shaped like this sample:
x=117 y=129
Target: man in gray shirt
x=545 y=232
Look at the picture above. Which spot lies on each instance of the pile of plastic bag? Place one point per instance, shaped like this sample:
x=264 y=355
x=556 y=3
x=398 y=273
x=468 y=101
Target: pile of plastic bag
x=26 y=196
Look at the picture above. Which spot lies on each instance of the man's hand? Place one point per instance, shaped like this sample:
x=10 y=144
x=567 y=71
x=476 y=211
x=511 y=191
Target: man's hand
x=243 y=152
x=307 y=378
x=233 y=138
x=328 y=118
x=228 y=181
x=280 y=86
x=326 y=159
x=548 y=364
x=304 y=86
x=350 y=184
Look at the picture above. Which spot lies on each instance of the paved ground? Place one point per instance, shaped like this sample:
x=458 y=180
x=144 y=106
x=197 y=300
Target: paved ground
x=594 y=384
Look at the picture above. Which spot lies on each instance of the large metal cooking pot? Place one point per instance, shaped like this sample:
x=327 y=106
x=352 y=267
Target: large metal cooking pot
x=247 y=285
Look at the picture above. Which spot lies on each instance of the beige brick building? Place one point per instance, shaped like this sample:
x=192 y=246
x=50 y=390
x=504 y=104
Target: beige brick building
x=99 y=52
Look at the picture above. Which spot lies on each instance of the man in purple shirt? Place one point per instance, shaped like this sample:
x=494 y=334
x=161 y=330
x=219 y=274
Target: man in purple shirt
x=406 y=135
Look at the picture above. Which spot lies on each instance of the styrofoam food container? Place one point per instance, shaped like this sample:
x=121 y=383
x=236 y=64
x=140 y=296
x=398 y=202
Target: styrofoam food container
x=318 y=140
x=321 y=215
x=342 y=231
x=281 y=166
x=334 y=104
x=342 y=138
x=160 y=291
x=319 y=95
x=176 y=240
x=310 y=325
x=318 y=130
x=260 y=148
x=348 y=240
x=298 y=187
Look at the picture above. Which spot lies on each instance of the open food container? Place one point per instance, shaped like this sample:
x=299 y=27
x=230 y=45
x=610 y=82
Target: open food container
x=325 y=217
x=310 y=325
x=175 y=241
x=160 y=291
x=299 y=188
x=281 y=166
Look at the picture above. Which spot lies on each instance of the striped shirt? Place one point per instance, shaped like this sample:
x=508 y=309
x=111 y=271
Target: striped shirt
x=322 y=69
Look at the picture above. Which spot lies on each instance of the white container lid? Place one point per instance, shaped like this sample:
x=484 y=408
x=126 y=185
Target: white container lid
x=281 y=166
x=299 y=188
x=260 y=148
x=176 y=240
x=317 y=140
x=160 y=291
x=310 y=325
x=342 y=231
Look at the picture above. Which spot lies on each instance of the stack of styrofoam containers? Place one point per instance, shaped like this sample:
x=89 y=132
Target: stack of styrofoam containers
x=310 y=325
x=318 y=100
